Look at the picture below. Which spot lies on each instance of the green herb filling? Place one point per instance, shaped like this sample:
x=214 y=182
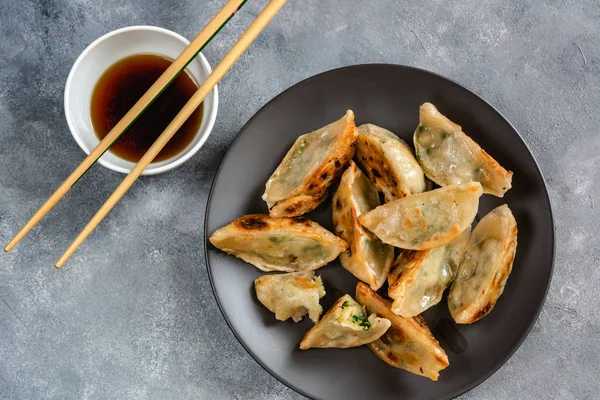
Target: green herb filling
x=361 y=321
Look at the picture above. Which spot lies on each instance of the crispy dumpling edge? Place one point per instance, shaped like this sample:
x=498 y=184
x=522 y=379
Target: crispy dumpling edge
x=340 y=210
x=414 y=259
x=473 y=314
x=408 y=258
x=448 y=124
x=439 y=240
x=372 y=302
x=314 y=188
x=381 y=177
x=257 y=223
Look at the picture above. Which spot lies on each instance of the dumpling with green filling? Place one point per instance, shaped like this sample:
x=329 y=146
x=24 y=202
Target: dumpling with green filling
x=388 y=162
x=449 y=157
x=367 y=258
x=345 y=325
x=316 y=160
x=279 y=244
x=485 y=268
x=426 y=220
x=408 y=343
x=418 y=278
x=291 y=295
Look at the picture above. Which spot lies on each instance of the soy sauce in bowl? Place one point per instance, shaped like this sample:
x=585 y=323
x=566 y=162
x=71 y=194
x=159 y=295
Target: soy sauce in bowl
x=121 y=85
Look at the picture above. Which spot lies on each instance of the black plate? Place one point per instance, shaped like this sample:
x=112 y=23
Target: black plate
x=389 y=96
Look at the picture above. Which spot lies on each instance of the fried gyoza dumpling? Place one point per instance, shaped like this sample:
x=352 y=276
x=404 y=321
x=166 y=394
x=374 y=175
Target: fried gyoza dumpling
x=367 y=258
x=485 y=267
x=279 y=244
x=418 y=278
x=425 y=220
x=316 y=160
x=408 y=344
x=291 y=295
x=450 y=157
x=345 y=325
x=389 y=162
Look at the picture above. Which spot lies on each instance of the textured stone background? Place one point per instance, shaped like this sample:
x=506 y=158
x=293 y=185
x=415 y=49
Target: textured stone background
x=132 y=315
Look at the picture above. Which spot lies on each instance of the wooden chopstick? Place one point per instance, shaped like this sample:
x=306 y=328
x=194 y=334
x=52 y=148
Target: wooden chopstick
x=220 y=70
x=203 y=38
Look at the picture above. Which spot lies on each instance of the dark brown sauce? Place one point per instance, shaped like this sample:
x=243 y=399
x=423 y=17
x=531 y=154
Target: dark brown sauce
x=122 y=85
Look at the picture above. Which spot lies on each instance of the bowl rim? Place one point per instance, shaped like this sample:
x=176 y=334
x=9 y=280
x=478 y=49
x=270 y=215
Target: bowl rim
x=207 y=118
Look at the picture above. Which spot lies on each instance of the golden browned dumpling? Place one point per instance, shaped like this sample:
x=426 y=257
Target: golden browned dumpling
x=485 y=268
x=389 y=162
x=314 y=162
x=345 y=325
x=450 y=157
x=279 y=244
x=426 y=220
x=408 y=343
x=291 y=295
x=418 y=278
x=367 y=258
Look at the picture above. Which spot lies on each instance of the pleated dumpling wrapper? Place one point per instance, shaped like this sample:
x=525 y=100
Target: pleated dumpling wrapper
x=389 y=162
x=408 y=343
x=448 y=156
x=367 y=258
x=485 y=267
x=291 y=295
x=279 y=244
x=418 y=279
x=345 y=325
x=426 y=220
x=316 y=160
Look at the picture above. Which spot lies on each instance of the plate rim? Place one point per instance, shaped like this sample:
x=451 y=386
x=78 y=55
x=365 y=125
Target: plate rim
x=500 y=363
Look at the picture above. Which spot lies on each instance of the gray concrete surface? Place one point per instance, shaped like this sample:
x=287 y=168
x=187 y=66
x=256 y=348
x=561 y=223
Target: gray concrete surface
x=132 y=316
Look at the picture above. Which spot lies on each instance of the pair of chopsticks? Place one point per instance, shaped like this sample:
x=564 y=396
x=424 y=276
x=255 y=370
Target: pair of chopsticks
x=203 y=38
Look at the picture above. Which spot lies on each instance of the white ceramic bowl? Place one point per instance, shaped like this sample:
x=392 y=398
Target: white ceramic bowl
x=103 y=53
